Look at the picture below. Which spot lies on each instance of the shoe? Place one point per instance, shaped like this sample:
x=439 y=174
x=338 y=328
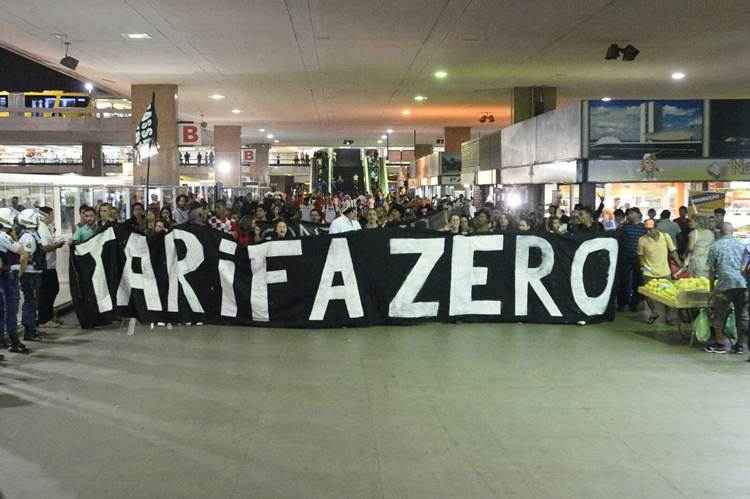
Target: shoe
x=715 y=348
x=19 y=348
x=53 y=324
x=738 y=349
x=31 y=337
x=57 y=322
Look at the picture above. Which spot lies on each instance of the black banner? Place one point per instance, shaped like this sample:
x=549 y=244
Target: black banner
x=387 y=276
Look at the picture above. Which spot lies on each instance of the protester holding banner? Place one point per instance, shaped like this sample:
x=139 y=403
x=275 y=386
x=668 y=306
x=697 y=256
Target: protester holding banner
x=88 y=227
x=180 y=214
x=346 y=222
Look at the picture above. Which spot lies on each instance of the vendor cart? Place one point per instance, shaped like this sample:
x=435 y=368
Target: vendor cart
x=683 y=302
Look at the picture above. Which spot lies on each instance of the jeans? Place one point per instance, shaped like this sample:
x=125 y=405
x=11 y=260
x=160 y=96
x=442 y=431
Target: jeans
x=30 y=283
x=629 y=278
x=47 y=293
x=9 y=308
x=722 y=302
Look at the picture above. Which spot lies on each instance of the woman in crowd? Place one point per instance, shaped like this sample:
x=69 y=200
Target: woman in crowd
x=523 y=225
x=503 y=223
x=700 y=239
x=465 y=229
x=280 y=231
x=372 y=220
x=454 y=225
x=160 y=226
x=482 y=223
x=165 y=215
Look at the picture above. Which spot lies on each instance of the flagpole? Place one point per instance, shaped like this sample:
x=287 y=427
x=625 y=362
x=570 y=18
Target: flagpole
x=148 y=179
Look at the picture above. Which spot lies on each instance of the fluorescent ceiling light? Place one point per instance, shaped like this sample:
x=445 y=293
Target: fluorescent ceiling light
x=236 y=111
x=383 y=137
x=276 y=141
x=137 y=36
x=390 y=130
x=678 y=76
x=440 y=74
x=216 y=96
x=420 y=98
x=380 y=141
x=88 y=86
x=406 y=112
x=261 y=130
x=269 y=136
x=606 y=99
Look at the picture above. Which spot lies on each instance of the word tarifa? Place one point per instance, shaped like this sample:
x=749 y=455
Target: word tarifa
x=464 y=275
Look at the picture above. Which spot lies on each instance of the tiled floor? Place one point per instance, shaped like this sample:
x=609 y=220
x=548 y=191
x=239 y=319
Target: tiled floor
x=619 y=410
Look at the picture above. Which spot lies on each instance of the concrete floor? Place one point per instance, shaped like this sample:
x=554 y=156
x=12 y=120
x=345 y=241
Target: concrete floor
x=619 y=410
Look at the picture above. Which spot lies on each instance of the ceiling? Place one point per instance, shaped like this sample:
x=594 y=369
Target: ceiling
x=320 y=71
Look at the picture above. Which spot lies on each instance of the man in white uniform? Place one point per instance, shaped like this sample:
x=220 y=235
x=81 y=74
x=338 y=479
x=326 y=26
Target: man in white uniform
x=346 y=222
x=13 y=261
x=31 y=280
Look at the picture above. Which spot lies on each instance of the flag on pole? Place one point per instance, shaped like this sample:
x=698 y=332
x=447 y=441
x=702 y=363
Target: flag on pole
x=146 y=133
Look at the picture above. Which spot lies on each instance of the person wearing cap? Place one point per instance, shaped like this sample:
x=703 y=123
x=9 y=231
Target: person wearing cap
x=13 y=262
x=654 y=250
x=31 y=280
x=346 y=222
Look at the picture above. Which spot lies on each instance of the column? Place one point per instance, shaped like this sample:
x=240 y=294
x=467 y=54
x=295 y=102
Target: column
x=422 y=150
x=532 y=101
x=93 y=160
x=227 y=145
x=455 y=136
x=163 y=165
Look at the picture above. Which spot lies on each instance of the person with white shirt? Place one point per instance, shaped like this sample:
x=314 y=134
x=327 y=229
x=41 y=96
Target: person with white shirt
x=346 y=222
x=31 y=280
x=50 y=285
x=13 y=262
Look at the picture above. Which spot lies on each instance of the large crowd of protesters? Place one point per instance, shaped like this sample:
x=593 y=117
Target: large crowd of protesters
x=650 y=247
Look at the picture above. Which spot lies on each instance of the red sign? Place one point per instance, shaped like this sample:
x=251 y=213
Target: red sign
x=190 y=135
x=248 y=156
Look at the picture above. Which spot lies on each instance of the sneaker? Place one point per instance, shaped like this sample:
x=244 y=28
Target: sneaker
x=715 y=348
x=19 y=348
x=738 y=349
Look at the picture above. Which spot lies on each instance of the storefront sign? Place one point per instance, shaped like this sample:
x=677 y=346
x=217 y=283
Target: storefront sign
x=189 y=134
x=248 y=155
x=387 y=276
x=706 y=202
x=674 y=170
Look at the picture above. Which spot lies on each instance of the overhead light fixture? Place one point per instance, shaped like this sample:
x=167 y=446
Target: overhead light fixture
x=88 y=86
x=606 y=99
x=236 y=111
x=629 y=53
x=389 y=131
x=383 y=137
x=678 y=76
x=262 y=130
x=348 y=142
x=440 y=74
x=406 y=112
x=269 y=136
x=420 y=98
x=380 y=141
x=137 y=36
x=216 y=96
x=69 y=61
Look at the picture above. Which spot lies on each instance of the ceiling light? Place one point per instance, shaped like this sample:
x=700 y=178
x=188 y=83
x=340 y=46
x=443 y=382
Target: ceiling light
x=678 y=76
x=406 y=112
x=88 y=86
x=216 y=96
x=389 y=131
x=380 y=141
x=276 y=141
x=137 y=36
x=68 y=61
x=613 y=52
x=236 y=111
x=224 y=167
x=629 y=53
x=606 y=99
x=383 y=137
x=261 y=130
x=269 y=136
x=420 y=98
x=440 y=75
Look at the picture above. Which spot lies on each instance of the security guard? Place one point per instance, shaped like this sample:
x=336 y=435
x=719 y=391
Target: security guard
x=13 y=262
x=31 y=280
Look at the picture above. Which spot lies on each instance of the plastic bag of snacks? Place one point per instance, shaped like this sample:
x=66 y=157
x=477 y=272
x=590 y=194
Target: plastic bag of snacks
x=702 y=327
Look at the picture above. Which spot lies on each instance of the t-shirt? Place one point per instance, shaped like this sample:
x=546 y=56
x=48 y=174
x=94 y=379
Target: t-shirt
x=47 y=235
x=343 y=224
x=654 y=253
x=669 y=227
x=725 y=260
x=84 y=233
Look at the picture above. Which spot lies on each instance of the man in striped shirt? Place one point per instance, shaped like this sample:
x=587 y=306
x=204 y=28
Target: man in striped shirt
x=629 y=272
